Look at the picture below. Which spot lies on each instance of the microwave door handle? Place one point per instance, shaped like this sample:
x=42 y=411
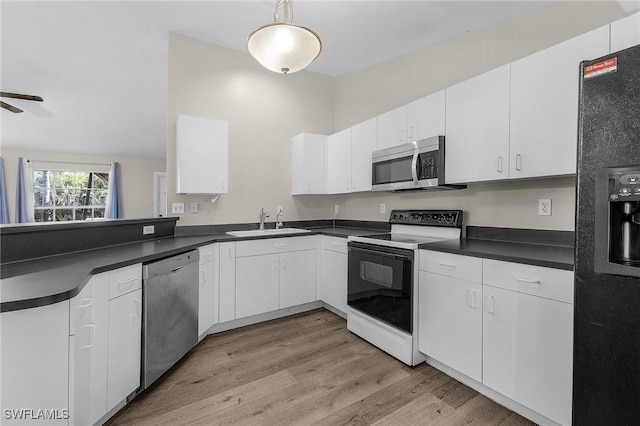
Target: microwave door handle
x=414 y=166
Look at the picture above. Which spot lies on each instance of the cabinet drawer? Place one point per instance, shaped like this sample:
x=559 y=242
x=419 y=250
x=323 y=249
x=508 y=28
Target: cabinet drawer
x=555 y=284
x=124 y=280
x=207 y=253
x=452 y=265
x=275 y=245
x=334 y=244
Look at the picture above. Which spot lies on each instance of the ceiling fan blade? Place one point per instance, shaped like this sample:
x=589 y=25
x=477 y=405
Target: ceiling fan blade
x=9 y=107
x=21 y=96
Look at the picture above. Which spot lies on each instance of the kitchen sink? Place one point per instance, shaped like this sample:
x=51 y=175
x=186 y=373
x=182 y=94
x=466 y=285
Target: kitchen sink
x=267 y=232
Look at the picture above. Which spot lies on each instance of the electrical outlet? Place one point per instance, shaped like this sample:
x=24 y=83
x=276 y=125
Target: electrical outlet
x=544 y=207
x=149 y=229
x=177 y=207
x=383 y=208
x=193 y=207
x=335 y=209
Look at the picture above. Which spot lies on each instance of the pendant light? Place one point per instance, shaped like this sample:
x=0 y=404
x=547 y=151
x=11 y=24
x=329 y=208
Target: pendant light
x=282 y=46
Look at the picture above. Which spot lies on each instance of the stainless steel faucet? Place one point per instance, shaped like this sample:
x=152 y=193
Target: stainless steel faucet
x=263 y=216
x=278 y=222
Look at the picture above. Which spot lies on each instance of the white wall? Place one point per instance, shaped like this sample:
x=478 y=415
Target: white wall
x=264 y=111
x=136 y=176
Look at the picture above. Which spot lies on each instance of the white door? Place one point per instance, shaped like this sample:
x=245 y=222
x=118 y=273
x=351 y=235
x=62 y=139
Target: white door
x=297 y=278
x=425 y=117
x=364 y=139
x=227 y=264
x=332 y=288
x=207 y=299
x=257 y=280
x=339 y=162
x=392 y=128
x=450 y=322
x=477 y=122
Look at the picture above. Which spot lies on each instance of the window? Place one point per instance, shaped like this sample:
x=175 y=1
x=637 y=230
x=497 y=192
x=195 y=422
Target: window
x=69 y=195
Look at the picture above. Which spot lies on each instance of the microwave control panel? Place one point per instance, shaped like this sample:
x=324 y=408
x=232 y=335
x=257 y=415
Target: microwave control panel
x=448 y=218
x=428 y=165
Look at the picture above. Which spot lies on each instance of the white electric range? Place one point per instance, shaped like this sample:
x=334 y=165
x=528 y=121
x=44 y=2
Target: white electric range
x=382 y=290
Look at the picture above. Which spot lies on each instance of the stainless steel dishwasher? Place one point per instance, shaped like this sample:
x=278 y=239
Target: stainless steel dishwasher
x=170 y=313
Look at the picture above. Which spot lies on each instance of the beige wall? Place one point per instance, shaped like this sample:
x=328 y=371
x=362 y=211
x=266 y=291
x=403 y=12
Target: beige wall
x=136 y=175
x=380 y=88
x=264 y=111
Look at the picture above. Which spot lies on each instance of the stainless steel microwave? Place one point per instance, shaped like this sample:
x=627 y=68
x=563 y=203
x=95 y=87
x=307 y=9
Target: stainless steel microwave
x=417 y=165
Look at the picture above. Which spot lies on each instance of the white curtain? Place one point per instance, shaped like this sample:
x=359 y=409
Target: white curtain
x=24 y=192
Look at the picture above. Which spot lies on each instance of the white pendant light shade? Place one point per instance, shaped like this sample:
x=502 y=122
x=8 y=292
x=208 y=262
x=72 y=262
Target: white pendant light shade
x=283 y=47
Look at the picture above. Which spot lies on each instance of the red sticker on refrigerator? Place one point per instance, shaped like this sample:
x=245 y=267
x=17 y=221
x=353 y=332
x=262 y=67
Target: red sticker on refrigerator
x=602 y=67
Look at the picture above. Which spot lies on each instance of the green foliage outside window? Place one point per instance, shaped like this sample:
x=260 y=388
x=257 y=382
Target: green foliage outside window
x=69 y=195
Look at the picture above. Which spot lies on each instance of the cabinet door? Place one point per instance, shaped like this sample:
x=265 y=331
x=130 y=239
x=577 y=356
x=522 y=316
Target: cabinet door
x=207 y=299
x=625 y=32
x=125 y=327
x=364 y=139
x=477 y=128
x=544 y=106
x=528 y=351
x=100 y=350
x=35 y=361
x=426 y=117
x=257 y=280
x=450 y=322
x=339 y=162
x=227 y=277
x=392 y=128
x=297 y=278
x=332 y=288
x=202 y=155
x=307 y=167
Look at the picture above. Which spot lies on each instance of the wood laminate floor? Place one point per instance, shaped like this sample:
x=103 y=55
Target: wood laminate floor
x=303 y=370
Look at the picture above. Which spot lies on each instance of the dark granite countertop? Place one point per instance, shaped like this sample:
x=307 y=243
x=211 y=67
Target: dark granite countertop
x=552 y=256
x=52 y=279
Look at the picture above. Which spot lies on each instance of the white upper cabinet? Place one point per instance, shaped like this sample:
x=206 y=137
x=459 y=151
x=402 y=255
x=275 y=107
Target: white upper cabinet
x=420 y=119
x=392 y=128
x=426 y=117
x=307 y=164
x=202 y=155
x=625 y=32
x=477 y=128
x=364 y=138
x=544 y=106
x=338 y=179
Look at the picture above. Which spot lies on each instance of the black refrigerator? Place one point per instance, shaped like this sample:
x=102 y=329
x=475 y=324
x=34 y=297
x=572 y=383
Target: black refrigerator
x=606 y=361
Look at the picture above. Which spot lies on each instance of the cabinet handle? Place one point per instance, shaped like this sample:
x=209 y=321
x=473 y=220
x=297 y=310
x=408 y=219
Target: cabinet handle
x=230 y=254
x=136 y=308
x=85 y=303
x=500 y=164
x=401 y=135
x=92 y=329
x=222 y=183
x=526 y=280
x=410 y=134
x=471 y=299
x=448 y=265
x=518 y=162
x=284 y=262
x=279 y=246
x=491 y=304
x=275 y=263
x=202 y=278
x=125 y=285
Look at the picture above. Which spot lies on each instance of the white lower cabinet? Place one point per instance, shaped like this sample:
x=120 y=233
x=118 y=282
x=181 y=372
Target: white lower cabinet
x=227 y=279
x=512 y=330
x=35 y=365
x=332 y=287
x=273 y=274
x=257 y=281
x=208 y=288
x=450 y=318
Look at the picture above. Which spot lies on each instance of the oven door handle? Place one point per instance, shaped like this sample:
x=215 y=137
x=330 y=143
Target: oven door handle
x=414 y=165
x=381 y=253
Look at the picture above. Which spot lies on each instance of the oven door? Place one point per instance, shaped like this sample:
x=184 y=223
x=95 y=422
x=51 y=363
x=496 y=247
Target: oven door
x=380 y=283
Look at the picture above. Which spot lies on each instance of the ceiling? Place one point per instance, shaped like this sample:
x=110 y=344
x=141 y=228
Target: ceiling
x=101 y=67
